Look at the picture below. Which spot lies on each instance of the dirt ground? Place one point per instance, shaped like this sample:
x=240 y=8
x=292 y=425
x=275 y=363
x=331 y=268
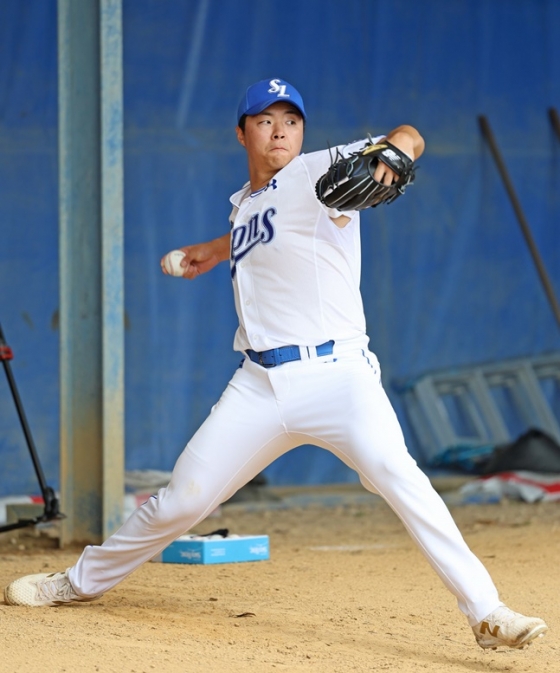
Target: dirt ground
x=345 y=590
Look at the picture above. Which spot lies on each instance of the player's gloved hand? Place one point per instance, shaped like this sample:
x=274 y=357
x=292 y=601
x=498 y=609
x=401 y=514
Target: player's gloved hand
x=379 y=173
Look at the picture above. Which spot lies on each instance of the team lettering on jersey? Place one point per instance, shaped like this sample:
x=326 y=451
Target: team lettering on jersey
x=259 y=229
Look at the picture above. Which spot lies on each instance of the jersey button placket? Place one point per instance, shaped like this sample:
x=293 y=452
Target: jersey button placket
x=244 y=285
x=246 y=290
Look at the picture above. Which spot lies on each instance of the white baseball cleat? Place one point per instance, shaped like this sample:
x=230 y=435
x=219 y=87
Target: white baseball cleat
x=43 y=589
x=506 y=628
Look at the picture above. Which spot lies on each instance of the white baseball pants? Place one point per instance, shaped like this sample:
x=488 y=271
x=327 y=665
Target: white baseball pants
x=336 y=402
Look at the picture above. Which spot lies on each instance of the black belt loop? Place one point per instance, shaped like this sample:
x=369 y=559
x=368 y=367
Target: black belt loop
x=278 y=356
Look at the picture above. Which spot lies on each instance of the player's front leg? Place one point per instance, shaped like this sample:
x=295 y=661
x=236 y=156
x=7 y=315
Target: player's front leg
x=376 y=449
x=380 y=456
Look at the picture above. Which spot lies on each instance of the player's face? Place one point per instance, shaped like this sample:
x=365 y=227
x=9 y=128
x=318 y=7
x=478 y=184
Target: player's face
x=273 y=137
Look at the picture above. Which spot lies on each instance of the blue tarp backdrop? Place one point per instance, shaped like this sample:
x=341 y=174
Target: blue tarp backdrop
x=447 y=279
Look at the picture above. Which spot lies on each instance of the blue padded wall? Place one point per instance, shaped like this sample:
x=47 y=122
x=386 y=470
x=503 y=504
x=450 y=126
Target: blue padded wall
x=447 y=278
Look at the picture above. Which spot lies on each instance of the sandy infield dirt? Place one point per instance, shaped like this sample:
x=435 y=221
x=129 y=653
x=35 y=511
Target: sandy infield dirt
x=345 y=590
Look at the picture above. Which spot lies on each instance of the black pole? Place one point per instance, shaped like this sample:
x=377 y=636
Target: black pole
x=49 y=496
x=554 y=120
x=526 y=230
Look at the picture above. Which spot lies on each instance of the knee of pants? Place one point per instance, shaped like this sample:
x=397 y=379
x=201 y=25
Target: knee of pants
x=180 y=507
x=387 y=466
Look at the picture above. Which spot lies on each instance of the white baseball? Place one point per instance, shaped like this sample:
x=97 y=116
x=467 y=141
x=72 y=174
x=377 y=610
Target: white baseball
x=172 y=263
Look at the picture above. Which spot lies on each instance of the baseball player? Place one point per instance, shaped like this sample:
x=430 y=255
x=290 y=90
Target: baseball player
x=307 y=376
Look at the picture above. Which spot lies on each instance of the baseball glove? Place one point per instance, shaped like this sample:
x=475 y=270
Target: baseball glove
x=349 y=182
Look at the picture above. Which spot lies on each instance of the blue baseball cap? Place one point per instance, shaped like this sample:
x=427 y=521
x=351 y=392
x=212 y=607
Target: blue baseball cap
x=261 y=95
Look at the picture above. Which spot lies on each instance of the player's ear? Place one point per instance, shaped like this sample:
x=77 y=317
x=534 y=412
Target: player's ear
x=240 y=135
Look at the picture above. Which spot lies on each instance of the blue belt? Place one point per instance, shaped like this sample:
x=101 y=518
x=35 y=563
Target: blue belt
x=278 y=356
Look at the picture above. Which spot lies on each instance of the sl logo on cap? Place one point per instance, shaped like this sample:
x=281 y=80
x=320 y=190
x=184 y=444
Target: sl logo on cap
x=280 y=89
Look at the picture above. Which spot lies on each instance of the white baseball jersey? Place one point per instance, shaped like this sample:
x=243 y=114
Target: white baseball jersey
x=296 y=275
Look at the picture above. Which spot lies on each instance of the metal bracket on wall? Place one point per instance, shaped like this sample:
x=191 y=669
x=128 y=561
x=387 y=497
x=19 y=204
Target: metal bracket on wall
x=487 y=404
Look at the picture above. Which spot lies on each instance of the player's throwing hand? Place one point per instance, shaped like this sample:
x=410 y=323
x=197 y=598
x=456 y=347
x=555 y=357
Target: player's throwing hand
x=201 y=257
